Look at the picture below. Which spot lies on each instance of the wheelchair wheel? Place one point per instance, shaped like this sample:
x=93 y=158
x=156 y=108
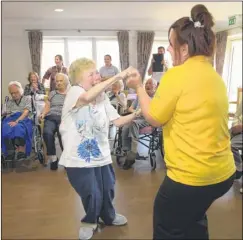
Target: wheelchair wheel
x=3 y=162
x=40 y=157
x=119 y=155
x=152 y=158
x=161 y=147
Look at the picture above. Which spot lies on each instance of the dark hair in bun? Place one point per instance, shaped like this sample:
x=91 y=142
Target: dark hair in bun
x=200 y=13
x=196 y=32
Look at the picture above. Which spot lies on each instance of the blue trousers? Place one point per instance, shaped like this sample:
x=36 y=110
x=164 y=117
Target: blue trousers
x=95 y=186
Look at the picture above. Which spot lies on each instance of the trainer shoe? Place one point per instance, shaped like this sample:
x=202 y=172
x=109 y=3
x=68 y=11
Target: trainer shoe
x=86 y=231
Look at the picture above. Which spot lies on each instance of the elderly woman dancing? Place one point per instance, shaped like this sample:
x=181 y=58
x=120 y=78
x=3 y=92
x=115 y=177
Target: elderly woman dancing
x=17 y=126
x=87 y=113
x=52 y=116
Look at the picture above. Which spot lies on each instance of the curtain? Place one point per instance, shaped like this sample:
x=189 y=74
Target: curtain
x=35 y=45
x=144 y=46
x=123 y=42
x=221 y=41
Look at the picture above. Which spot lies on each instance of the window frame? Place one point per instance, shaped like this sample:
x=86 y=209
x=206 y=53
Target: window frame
x=78 y=38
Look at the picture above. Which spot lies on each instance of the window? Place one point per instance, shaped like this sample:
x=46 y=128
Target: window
x=79 y=49
x=235 y=70
x=109 y=47
x=49 y=50
x=71 y=49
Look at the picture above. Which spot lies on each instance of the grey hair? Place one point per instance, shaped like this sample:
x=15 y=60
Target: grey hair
x=153 y=81
x=66 y=79
x=18 y=85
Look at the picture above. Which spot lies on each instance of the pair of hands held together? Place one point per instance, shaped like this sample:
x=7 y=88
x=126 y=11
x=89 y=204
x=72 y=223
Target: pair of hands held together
x=132 y=78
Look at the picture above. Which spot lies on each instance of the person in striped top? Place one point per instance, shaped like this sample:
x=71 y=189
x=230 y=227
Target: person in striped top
x=52 y=115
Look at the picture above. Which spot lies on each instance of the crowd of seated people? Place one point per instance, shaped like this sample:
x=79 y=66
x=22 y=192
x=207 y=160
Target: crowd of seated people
x=52 y=117
x=17 y=125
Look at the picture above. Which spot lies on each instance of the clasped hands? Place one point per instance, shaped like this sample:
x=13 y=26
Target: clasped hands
x=132 y=78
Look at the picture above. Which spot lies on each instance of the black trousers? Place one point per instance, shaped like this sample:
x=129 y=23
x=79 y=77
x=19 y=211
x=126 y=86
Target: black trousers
x=51 y=127
x=11 y=143
x=180 y=210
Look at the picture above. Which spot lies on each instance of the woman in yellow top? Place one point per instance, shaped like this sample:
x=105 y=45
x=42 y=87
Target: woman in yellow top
x=192 y=106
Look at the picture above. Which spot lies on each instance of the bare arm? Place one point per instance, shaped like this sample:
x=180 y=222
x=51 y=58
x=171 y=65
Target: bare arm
x=126 y=119
x=46 y=75
x=23 y=115
x=46 y=109
x=131 y=109
x=96 y=90
x=144 y=102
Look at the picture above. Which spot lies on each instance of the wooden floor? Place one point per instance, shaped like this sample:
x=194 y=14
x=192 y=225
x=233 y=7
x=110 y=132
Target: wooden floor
x=42 y=205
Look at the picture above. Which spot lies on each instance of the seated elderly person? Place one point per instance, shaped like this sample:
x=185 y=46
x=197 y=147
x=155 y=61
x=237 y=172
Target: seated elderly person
x=130 y=132
x=36 y=89
x=17 y=126
x=117 y=98
x=34 y=86
x=236 y=140
x=52 y=117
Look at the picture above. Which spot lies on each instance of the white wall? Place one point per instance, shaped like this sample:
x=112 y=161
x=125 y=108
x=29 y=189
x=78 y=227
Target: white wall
x=16 y=61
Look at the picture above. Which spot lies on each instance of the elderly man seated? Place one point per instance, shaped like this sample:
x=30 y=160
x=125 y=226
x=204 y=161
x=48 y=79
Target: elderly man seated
x=236 y=141
x=17 y=126
x=52 y=117
x=130 y=132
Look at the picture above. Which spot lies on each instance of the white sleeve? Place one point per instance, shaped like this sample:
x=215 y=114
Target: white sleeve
x=71 y=99
x=111 y=112
x=39 y=97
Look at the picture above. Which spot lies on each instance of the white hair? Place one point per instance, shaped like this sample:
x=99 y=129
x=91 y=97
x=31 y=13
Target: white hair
x=153 y=81
x=18 y=85
x=66 y=79
x=121 y=84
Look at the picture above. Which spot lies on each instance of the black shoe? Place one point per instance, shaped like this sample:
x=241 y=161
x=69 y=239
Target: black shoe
x=10 y=156
x=54 y=165
x=21 y=156
x=238 y=174
x=128 y=164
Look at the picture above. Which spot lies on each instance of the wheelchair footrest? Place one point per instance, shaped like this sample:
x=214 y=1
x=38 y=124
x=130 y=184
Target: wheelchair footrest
x=138 y=157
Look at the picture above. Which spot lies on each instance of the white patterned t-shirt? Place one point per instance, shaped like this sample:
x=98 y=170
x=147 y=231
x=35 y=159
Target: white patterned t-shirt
x=85 y=131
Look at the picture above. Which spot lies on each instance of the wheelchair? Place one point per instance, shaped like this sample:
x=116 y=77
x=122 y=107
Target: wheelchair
x=154 y=142
x=37 y=144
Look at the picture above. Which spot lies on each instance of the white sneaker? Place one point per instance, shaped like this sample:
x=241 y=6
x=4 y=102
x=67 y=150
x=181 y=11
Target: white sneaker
x=241 y=190
x=86 y=231
x=119 y=220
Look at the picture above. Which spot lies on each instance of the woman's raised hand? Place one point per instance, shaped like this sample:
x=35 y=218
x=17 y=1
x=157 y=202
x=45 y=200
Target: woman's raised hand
x=134 y=79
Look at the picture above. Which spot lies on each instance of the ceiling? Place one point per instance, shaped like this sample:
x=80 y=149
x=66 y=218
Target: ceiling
x=107 y=15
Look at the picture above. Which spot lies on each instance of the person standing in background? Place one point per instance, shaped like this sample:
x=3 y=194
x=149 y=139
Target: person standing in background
x=108 y=70
x=156 y=75
x=52 y=71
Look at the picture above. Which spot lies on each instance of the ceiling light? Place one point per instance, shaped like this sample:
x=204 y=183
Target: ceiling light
x=58 y=10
